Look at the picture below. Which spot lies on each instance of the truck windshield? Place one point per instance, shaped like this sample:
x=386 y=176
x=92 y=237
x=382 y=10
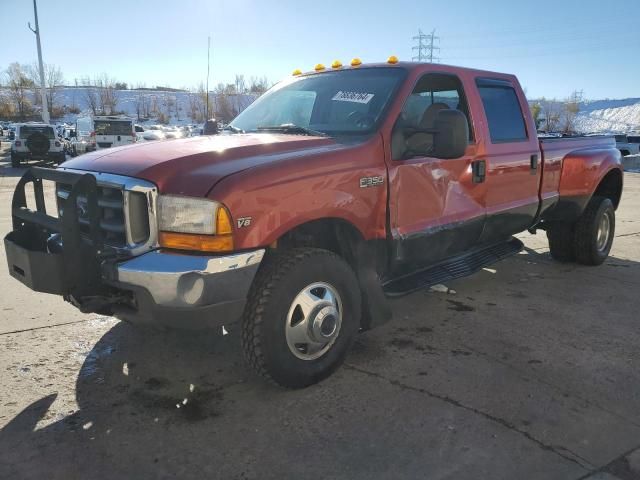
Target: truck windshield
x=333 y=103
x=111 y=127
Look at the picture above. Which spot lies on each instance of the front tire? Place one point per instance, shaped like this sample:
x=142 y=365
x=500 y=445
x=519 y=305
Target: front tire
x=302 y=315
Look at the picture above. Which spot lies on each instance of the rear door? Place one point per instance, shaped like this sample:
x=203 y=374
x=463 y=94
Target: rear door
x=113 y=133
x=436 y=205
x=513 y=163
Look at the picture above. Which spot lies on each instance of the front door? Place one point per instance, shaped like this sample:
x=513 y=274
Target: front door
x=436 y=205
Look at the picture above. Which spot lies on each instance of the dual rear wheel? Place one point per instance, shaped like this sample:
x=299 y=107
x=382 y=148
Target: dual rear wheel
x=588 y=241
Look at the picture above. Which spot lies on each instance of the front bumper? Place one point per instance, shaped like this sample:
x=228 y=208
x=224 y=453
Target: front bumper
x=184 y=291
x=52 y=255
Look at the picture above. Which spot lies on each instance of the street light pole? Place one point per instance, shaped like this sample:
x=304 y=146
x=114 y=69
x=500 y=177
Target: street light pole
x=43 y=91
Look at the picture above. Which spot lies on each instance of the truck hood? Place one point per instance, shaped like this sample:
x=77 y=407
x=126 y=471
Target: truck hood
x=192 y=166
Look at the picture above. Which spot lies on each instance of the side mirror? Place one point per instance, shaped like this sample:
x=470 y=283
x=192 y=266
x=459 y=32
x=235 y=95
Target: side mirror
x=72 y=134
x=12 y=135
x=452 y=134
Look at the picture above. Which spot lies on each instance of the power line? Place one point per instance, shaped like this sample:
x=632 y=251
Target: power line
x=426 y=46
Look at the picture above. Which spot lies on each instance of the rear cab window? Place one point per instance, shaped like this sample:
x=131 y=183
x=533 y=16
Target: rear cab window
x=503 y=111
x=113 y=127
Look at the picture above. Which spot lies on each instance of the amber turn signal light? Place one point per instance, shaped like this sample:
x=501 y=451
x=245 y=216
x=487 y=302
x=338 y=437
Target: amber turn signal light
x=223 y=222
x=196 y=242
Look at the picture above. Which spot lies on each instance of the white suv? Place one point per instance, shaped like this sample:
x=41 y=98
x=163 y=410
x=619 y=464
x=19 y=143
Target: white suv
x=36 y=141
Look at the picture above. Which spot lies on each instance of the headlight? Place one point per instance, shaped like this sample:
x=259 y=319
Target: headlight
x=188 y=223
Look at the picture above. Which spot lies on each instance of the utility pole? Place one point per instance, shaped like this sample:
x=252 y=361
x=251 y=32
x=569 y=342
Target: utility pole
x=208 y=61
x=43 y=91
x=425 y=47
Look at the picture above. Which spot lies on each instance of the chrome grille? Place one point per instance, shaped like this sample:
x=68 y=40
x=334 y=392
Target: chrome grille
x=126 y=211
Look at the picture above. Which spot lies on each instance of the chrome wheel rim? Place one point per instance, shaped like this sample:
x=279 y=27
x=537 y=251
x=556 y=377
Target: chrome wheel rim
x=604 y=230
x=314 y=321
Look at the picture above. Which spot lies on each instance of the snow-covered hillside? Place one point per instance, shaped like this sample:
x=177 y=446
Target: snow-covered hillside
x=127 y=101
x=609 y=116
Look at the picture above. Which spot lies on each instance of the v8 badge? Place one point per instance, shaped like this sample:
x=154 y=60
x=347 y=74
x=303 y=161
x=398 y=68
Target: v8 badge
x=244 y=222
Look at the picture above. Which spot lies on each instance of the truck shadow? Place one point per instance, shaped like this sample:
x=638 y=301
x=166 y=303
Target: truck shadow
x=153 y=379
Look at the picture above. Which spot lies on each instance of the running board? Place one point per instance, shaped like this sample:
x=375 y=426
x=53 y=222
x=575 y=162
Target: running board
x=460 y=266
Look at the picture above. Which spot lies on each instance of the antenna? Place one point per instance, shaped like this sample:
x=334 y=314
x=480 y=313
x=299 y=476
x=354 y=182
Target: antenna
x=208 y=62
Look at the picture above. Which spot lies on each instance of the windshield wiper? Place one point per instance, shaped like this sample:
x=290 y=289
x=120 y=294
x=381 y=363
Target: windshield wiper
x=233 y=129
x=292 y=129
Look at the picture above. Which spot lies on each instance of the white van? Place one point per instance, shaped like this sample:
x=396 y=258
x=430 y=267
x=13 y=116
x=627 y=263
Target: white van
x=112 y=131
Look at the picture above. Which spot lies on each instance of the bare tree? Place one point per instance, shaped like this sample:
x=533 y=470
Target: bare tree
x=107 y=93
x=551 y=113
x=224 y=110
x=259 y=85
x=19 y=85
x=536 y=109
x=54 y=79
x=90 y=94
x=6 y=108
x=571 y=107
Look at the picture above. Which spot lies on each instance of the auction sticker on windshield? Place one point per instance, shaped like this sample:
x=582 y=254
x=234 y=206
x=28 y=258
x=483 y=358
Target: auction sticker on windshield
x=356 y=97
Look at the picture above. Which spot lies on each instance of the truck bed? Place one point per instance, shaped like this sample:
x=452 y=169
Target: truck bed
x=554 y=150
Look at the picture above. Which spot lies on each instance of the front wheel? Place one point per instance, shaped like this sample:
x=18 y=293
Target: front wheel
x=301 y=317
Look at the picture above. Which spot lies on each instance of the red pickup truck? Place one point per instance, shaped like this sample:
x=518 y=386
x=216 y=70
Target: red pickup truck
x=332 y=192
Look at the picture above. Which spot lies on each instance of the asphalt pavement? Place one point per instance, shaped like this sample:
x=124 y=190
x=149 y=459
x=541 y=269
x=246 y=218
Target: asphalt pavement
x=529 y=369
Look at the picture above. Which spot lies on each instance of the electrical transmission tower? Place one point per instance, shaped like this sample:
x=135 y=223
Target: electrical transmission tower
x=426 y=46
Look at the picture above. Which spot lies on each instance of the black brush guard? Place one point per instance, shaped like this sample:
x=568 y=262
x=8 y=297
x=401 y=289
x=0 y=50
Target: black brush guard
x=50 y=254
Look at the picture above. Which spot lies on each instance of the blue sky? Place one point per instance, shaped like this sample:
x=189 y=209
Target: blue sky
x=554 y=47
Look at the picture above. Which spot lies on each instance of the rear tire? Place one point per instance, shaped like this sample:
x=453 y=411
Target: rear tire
x=595 y=230
x=15 y=161
x=561 y=242
x=308 y=288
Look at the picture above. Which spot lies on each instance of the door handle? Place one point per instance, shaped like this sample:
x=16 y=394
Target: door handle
x=534 y=163
x=478 y=171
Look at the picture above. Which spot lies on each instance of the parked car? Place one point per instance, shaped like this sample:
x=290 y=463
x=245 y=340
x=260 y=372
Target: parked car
x=634 y=139
x=139 y=129
x=625 y=146
x=85 y=139
x=338 y=190
x=154 y=132
x=172 y=132
x=113 y=131
x=36 y=141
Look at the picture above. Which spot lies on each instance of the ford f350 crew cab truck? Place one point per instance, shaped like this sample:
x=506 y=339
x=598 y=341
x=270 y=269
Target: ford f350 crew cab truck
x=334 y=191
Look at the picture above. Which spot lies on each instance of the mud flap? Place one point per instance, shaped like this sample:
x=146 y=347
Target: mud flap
x=375 y=306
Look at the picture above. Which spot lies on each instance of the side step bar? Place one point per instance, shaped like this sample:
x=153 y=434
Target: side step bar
x=460 y=266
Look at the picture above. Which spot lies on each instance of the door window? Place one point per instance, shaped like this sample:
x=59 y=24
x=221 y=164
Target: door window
x=433 y=92
x=503 y=112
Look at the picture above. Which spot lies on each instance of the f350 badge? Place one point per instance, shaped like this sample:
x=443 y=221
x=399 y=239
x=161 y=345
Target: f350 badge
x=366 y=182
